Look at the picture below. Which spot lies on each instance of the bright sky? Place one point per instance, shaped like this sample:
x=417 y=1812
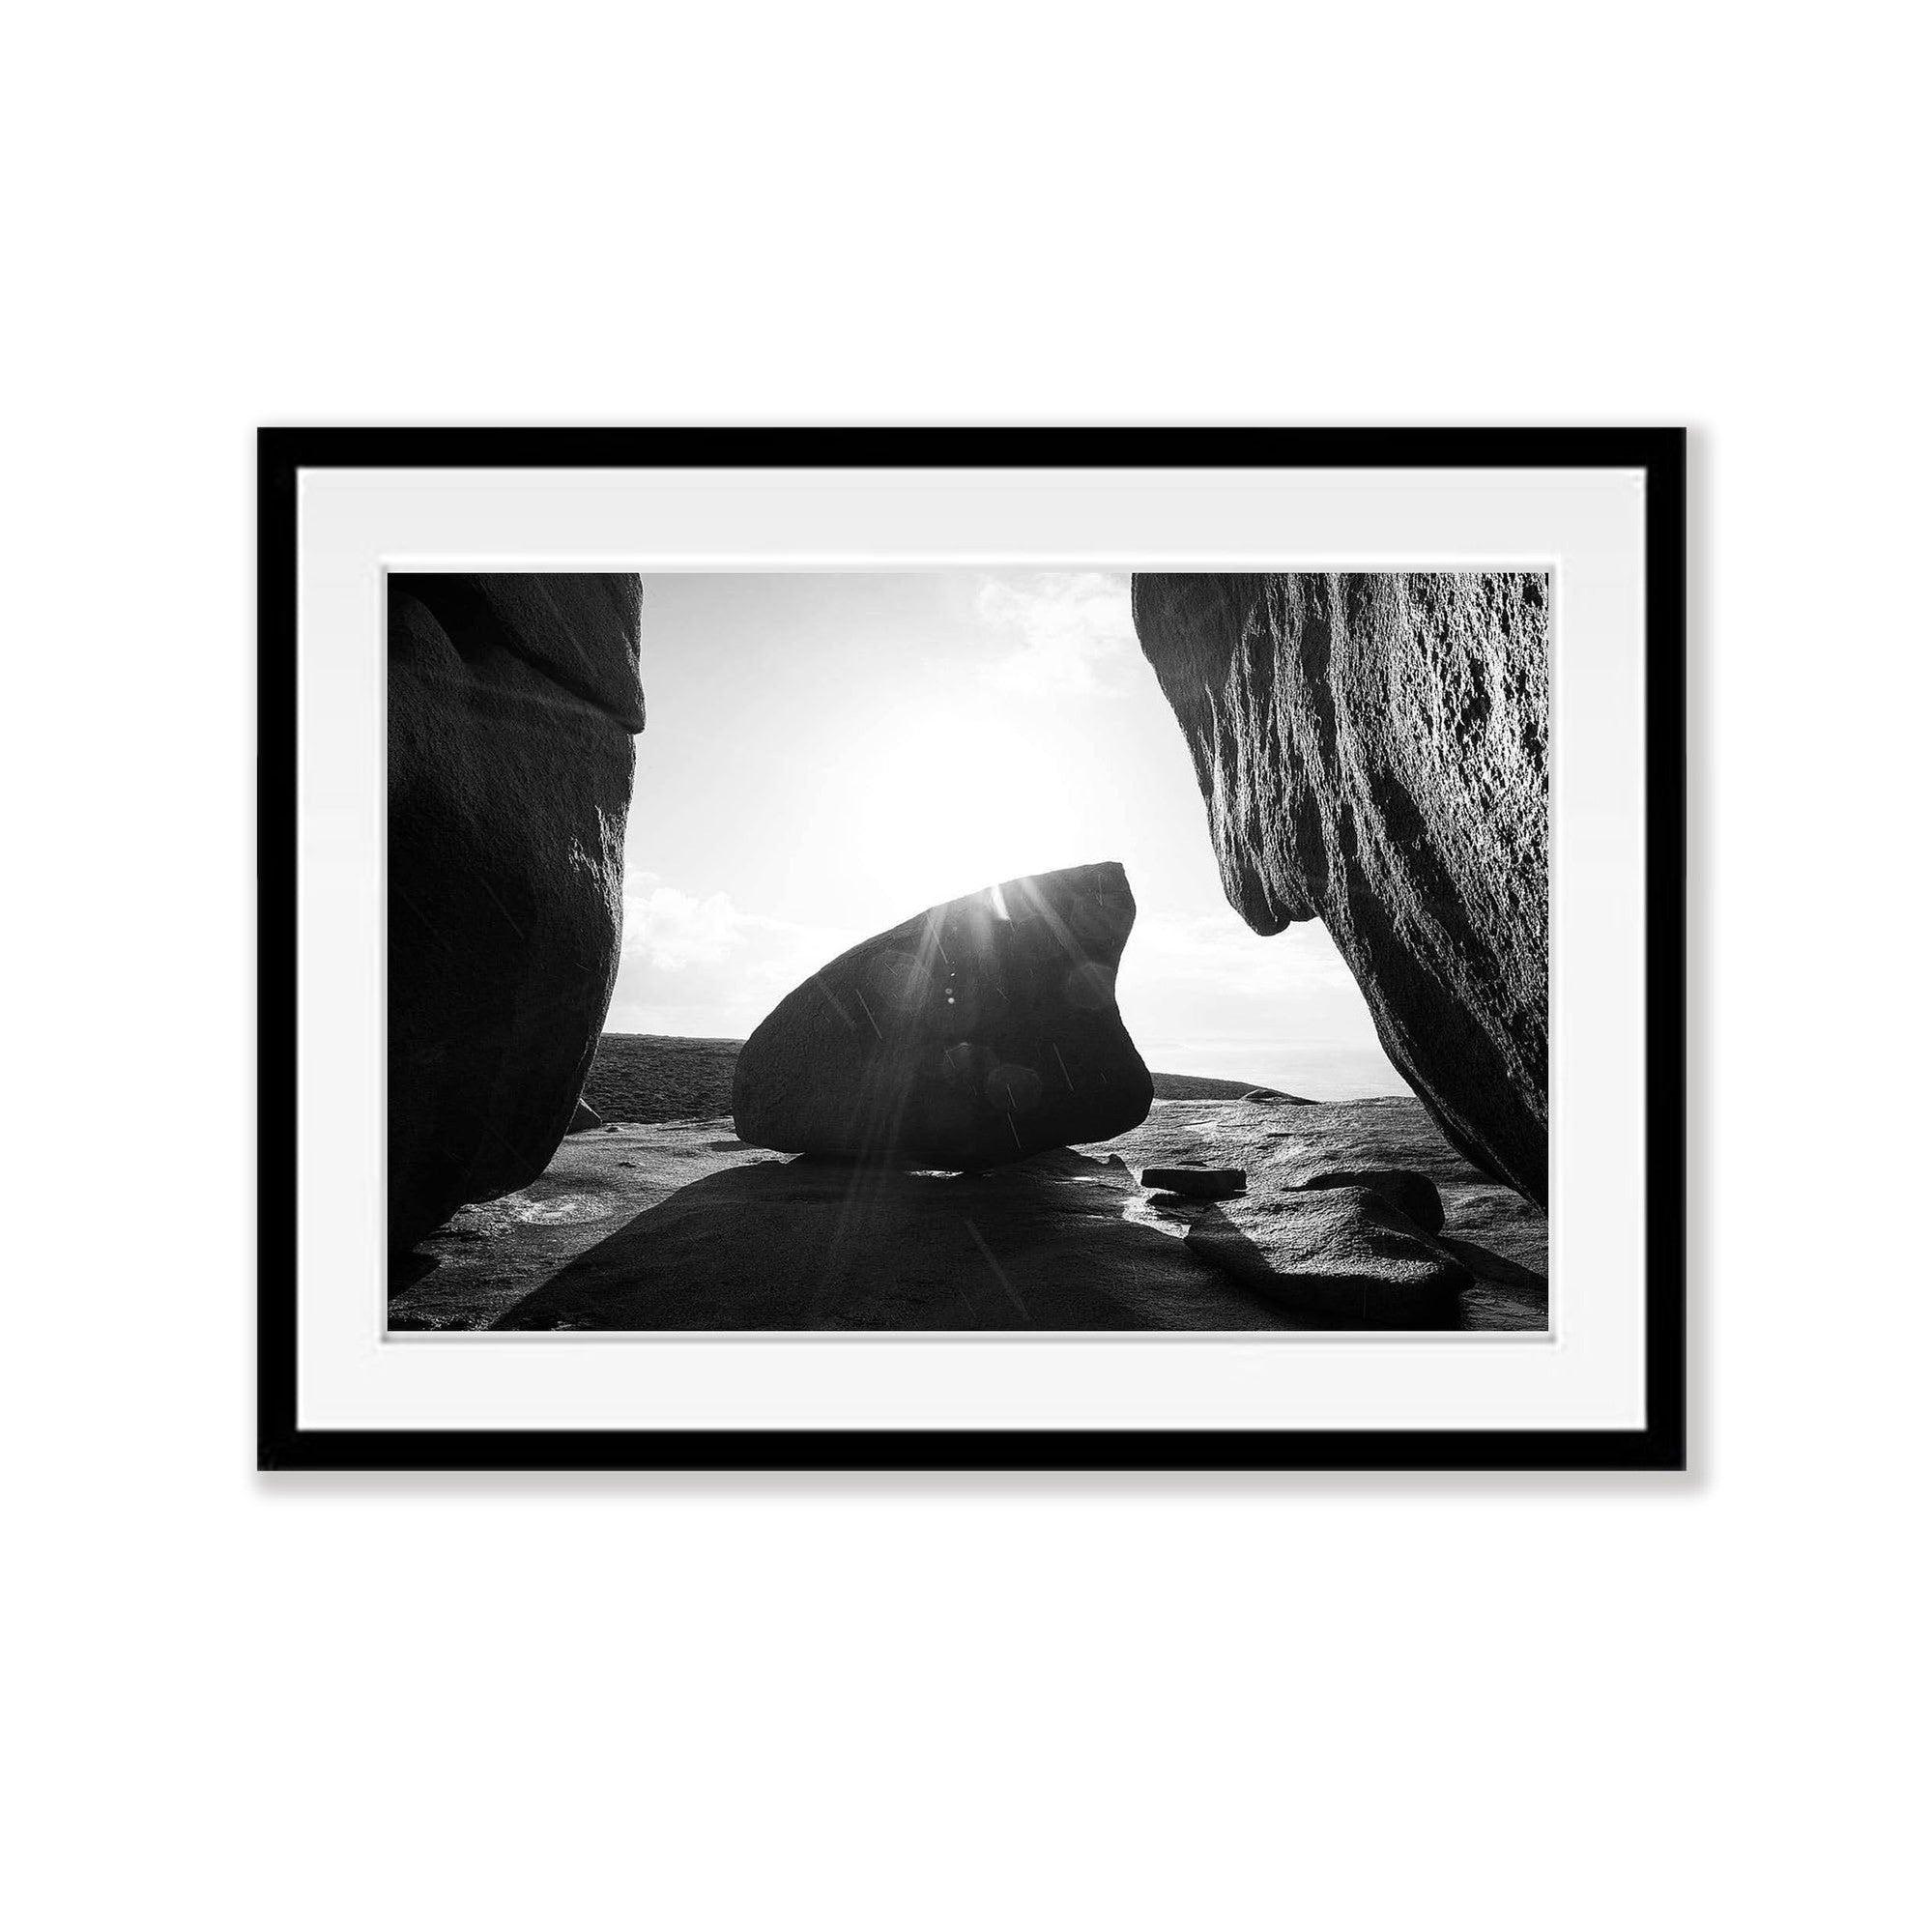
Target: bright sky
x=828 y=754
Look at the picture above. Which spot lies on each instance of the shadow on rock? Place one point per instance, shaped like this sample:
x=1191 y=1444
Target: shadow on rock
x=1492 y=1267
x=1042 y=1244
x=1340 y=1252
x=409 y=1268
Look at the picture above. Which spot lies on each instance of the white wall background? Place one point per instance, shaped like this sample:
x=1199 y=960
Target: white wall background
x=233 y=1702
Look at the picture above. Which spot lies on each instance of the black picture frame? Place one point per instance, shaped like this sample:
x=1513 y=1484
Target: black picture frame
x=1660 y=1444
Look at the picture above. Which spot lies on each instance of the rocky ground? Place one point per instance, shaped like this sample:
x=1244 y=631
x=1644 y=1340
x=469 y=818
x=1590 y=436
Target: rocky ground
x=677 y=1224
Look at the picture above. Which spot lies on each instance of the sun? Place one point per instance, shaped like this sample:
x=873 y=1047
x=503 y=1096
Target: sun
x=946 y=797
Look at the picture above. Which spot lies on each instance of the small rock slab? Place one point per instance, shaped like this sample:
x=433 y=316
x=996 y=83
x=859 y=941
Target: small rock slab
x=1197 y=1183
x=585 y=1119
x=977 y=1033
x=1343 y=1251
x=1400 y=1187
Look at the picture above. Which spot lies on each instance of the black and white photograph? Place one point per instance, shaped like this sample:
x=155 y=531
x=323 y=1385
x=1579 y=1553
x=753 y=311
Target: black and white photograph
x=967 y=950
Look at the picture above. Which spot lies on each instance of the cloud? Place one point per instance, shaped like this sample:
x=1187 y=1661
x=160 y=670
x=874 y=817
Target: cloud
x=674 y=929
x=1198 y=979
x=698 y=964
x=1072 y=626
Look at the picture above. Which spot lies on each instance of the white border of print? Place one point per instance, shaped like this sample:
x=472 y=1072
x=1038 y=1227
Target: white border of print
x=1586 y=525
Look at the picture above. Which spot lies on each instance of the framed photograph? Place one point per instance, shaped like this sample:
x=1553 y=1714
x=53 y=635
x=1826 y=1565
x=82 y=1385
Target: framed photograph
x=972 y=949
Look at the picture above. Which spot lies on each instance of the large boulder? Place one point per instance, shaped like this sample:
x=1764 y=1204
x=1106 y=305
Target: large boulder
x=512 y=705
x=1372 y=749
x=978 y=1032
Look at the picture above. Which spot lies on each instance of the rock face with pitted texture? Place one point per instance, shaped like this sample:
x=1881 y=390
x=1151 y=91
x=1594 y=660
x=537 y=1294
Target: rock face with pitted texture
x=1414 y=1194
x=513 y=701
x=1372 y=749
x=976 y=1033
x=1345 y=1252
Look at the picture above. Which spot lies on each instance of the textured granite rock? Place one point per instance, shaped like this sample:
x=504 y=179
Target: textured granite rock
x=1335 y=1251
x=512 y=705
x=1501 y=1235
x=1373 y=750
x=978 y=1032
x=679 y=1225
x=1402 y=1188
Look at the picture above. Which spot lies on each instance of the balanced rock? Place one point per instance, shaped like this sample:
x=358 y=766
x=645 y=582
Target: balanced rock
x=1372 y=749
x=978 y=1032
x=1341 y=1252
x=1400 y=1187
x=512 y=705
